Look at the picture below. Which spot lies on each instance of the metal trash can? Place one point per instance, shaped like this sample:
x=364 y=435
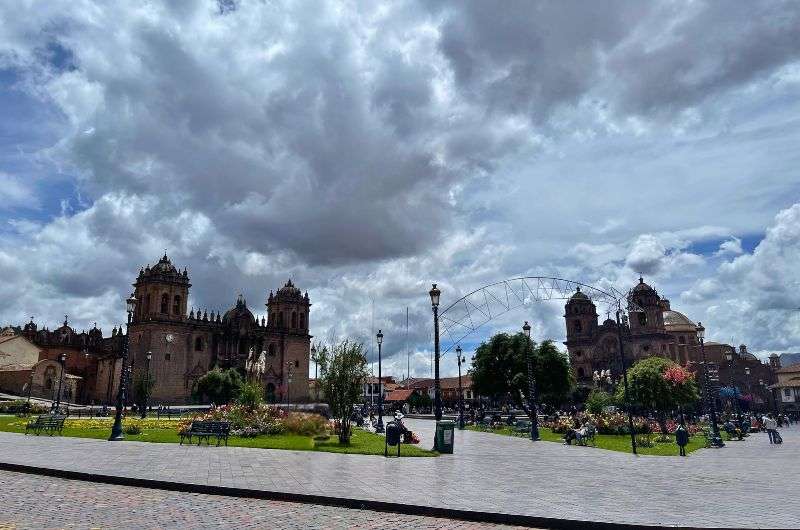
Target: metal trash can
x=444 y=436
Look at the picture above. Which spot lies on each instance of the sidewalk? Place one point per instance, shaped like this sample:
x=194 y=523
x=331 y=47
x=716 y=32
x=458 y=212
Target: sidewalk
x=488 y=473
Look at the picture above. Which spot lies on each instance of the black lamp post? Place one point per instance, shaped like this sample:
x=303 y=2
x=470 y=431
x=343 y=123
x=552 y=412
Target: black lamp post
x=62 y=360
x=622 y=321
x=30 y=389
x=716 y=439
x=379 y=426
x=437 y=389
x=526 y=330
x=460 y=359
x=116 y=430
x=734 y=397
x=146 y=386
x=316 y=363
x=289 y=373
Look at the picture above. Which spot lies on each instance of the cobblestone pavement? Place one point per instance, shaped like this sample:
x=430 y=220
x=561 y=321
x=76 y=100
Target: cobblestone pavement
x=727 y=487
x=37 y=502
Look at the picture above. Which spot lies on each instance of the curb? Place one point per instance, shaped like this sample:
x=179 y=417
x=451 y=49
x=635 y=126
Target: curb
x=342 y=502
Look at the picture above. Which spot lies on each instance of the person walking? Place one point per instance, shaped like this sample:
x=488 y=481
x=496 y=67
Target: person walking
x=771 y=426
x=682 y=439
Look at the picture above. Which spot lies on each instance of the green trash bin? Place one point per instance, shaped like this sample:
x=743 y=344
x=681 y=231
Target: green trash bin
x=444 y=436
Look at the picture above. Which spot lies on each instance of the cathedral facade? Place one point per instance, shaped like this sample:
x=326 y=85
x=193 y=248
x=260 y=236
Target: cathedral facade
x=182 y=345
x=656 y=331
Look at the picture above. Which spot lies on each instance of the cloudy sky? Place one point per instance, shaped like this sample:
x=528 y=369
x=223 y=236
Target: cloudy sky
x=367 y=149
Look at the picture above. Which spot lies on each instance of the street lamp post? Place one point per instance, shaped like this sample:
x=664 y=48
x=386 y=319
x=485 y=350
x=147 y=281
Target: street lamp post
x=734 y=397
x=460 y=359
x=623 y=320
x=116 y=430
x=526 y=330
x=146 y=386
x=379 y=426
x=289 y=373
x=716 y=439
x=62 y=360
x=316 y=363
x=435 y=293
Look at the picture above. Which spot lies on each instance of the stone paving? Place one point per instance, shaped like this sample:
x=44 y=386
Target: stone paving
x=748 y=483
x=37 y=502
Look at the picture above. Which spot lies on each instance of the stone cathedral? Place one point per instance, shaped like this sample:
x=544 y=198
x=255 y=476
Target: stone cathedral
x=185 y=344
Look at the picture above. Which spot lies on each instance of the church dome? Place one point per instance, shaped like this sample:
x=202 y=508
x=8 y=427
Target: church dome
x=163 y=271
x=579 y=295
x=677 y=321
x=238 y=313
x=289 y=292
x=642 y=287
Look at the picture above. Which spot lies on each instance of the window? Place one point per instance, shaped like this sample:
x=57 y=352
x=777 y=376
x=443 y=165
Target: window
x=578 y=326
x=146 y=308
x=164 y=303
x=682 y=339
x=272 y=319
x=581 y=373
x=280 y=319
x=642 y=319
x=296 y=364
x=787 y=392
x=302 y=321
x=176 y=305
x=198 y=344
x=271 y=350
x=578 y=353
x=167 y=357
x=645 y=348
x=294 y=319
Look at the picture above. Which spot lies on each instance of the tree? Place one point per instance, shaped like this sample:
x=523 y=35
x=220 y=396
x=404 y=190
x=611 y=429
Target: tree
x=251 y=394
x=598 y=400
x=143 y=385
x=218 y=386
x=420 y=400
x=343 y=371
x=659 y=385
x=499 y=369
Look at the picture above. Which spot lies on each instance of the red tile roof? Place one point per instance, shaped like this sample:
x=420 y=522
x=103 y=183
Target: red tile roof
x=399 y=395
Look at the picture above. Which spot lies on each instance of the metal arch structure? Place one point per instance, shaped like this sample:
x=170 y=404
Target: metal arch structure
x=476 y=309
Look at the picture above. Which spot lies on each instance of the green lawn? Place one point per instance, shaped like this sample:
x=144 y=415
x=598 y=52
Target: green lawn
x=611 y=442
x=362 y=442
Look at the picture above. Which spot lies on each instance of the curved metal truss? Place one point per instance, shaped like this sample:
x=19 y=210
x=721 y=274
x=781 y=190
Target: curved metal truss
x=476 y=309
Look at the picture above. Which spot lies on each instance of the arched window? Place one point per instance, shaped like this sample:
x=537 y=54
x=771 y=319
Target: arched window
x=176 y=305
x=294 y=319
x=578 y=326
x=643 y=318
x=578 y=353
x=271 y=350
x=273 y=319
x=581 y=373
x=146 y=308
x=296 y=363
x=198 y=344
x=280 y=319
x=302 y=321
x=164 y=303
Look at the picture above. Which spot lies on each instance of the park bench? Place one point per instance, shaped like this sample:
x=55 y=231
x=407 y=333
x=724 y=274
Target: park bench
x=46 y=423
x=206 y=429
x=588 y=437
x=522 y=426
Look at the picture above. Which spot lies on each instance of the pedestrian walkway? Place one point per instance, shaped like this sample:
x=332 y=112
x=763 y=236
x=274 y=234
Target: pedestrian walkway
x=489 y=473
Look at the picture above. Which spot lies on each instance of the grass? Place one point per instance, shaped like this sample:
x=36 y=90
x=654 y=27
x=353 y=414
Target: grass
x=361 y=442
x=611 y=442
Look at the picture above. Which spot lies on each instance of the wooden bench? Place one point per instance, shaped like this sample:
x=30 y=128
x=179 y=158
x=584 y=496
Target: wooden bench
x=206 y=429
x=47 y=423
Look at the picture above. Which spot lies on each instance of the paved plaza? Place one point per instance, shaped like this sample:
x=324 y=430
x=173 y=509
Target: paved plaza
x=488 y=473
x=39 y=502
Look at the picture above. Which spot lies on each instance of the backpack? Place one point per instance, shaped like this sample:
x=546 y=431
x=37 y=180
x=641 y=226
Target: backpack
x=776 y=437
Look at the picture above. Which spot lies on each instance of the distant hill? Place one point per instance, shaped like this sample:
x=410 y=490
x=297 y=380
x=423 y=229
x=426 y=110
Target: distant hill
x=788 y=359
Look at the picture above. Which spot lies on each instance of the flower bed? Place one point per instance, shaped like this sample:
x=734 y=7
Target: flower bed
x=248 y=422
x=105 y=423
x=617 y=423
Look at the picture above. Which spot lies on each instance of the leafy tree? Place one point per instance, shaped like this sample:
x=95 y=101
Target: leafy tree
x=251 y=394
x=598 y=400
x=143 y=385
x=343 y=371
x=420 y=400
x=499 y=369
x=218 y=386
x=659 y=385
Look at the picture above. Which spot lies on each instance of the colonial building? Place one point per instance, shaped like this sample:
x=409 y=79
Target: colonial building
x=184 y=344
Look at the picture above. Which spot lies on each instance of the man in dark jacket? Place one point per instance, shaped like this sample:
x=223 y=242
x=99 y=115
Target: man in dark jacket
x=682 y=439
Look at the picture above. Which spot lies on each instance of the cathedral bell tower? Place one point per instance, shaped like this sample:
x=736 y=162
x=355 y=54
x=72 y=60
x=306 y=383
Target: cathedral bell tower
x=651 y=319
x=288 y=310
x=162 y=292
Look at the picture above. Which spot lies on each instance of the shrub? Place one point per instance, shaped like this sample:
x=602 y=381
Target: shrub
x=133 y=430
x=251 y=395
x=597 y=401
x=305 y=424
